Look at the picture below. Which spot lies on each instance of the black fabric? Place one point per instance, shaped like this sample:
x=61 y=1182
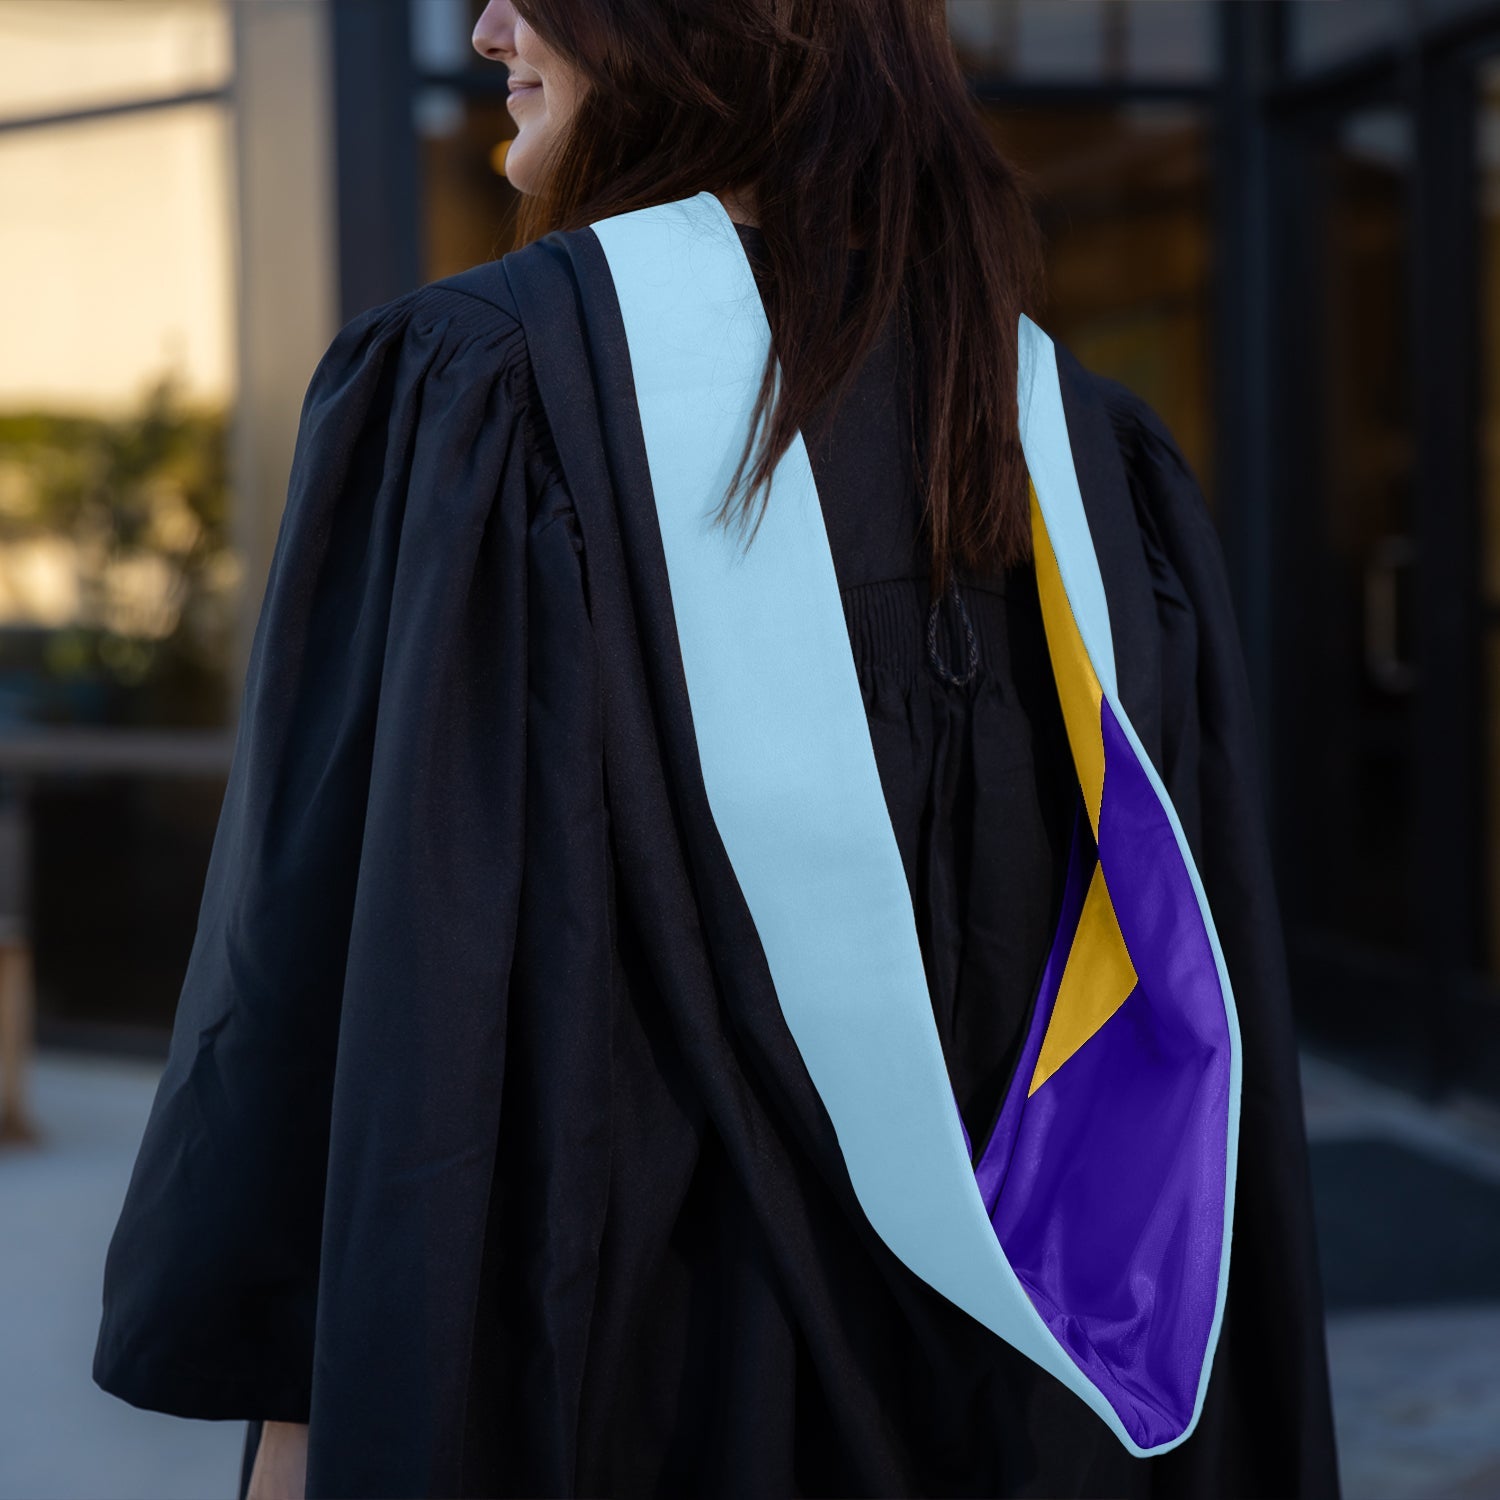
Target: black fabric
x=253 y=1430
x=482 y=1143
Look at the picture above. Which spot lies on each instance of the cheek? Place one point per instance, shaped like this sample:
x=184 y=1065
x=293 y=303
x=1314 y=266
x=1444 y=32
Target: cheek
x=562 y=96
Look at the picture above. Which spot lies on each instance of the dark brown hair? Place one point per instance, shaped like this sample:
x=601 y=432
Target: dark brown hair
x=835 y=118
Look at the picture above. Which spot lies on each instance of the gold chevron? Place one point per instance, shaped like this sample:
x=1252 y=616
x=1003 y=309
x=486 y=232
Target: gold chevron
x=1078 y=687
x=1096 y=979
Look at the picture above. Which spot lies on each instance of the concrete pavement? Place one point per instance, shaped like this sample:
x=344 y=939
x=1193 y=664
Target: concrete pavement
x=1416 y=1388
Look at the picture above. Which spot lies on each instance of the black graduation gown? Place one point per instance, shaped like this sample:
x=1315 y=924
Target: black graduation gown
x=482 y=1143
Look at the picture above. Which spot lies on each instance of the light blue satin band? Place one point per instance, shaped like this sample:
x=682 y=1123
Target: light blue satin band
x=1049 y=460
x=787 y=762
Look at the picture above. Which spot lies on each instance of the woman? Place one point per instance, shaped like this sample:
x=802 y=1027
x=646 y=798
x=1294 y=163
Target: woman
x=498 y=1150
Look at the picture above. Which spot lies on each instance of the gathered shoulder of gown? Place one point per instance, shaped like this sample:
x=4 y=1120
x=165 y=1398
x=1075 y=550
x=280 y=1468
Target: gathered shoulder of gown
x=462 y=1154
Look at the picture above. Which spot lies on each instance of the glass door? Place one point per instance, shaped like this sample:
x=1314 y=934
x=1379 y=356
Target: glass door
x=1350 y=688
x=1388 y=623
x=1479 y=981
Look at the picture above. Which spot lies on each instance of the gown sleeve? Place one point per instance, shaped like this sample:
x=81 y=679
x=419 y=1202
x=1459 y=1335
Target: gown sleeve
x=1272 y=1363
x=344 y=994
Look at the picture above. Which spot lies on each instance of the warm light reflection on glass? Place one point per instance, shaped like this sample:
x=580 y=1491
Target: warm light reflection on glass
x=59 y=55
x=1123 y=195
x=115 y=259
x=470 y=204
x=118 y=580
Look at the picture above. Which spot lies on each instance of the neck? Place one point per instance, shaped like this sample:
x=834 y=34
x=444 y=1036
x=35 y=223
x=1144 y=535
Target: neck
x=741 y=211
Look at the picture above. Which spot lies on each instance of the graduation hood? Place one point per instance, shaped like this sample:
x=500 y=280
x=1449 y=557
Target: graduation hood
x=1092 y=1232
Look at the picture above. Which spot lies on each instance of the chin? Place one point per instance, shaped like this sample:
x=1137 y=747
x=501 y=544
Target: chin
x=519 y=166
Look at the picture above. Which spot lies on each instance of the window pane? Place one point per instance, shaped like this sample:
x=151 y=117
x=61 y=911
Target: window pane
x=1321 y=33
x=1490 y=745
x=1085 y=40
x=1443 y=10
x=59 y=55
x=1078 y=41
x=1124 y=205
x=117 y=578
x=469 y=203
x=117 y=871
x=440 y=33
x=1487 y=150
x=1171 y=40
x=1359 y=697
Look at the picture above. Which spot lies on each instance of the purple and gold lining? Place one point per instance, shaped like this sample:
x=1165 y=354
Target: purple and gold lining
x=1106 y=1177
x=1092 y=1234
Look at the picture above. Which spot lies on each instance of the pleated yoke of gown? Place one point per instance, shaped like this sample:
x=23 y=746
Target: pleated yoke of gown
x=965 y=723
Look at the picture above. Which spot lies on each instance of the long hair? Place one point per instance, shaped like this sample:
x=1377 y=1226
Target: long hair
x=841 y=121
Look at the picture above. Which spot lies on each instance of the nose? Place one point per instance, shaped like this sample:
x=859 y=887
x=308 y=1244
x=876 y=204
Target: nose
x=495 y=31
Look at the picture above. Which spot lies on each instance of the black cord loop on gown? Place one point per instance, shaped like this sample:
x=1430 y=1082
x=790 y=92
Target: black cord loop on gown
x=938 y=665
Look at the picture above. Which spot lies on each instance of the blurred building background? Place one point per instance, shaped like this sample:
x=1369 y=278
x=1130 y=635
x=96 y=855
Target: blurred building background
x=1279 y=222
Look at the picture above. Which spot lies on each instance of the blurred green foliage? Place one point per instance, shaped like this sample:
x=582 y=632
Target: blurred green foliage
x=118 y=580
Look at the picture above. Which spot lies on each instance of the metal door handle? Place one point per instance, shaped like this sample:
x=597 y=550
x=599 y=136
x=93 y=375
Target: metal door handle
x=1383 y=660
